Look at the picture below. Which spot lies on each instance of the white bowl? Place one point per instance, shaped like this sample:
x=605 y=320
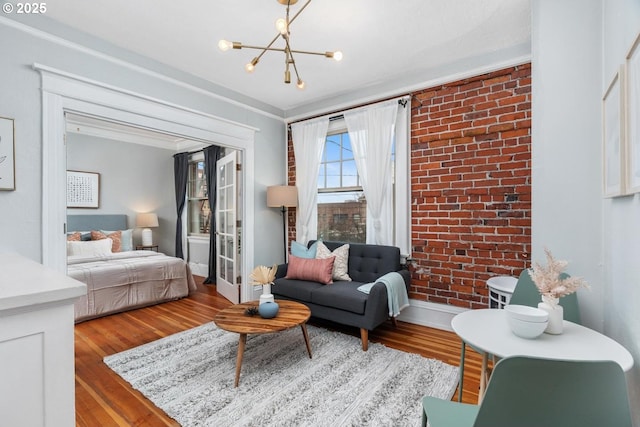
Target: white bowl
x=526 y=313
x=525 y=329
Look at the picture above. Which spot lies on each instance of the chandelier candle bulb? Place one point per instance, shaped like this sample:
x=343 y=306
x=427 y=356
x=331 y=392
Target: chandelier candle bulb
x=224 y=45
x=281 y=26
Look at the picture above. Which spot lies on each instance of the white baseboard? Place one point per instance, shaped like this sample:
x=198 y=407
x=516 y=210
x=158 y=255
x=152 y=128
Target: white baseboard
x=199 y=269
x=430 y=314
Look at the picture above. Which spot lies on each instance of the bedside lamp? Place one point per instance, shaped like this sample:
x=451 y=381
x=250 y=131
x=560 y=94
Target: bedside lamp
x=282 y=196
x=146 y=221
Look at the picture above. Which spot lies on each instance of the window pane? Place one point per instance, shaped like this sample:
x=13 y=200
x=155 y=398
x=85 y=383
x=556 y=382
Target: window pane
x=333 y=175
x=341 y=216
x=198 y=205
x=332 y=148
x=349 y=174
x=347 y=152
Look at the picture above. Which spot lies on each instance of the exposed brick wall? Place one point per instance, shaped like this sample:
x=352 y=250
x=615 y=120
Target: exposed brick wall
x=470 y=185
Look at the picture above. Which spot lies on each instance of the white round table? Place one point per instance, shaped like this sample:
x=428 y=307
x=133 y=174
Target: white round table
x=488 y=331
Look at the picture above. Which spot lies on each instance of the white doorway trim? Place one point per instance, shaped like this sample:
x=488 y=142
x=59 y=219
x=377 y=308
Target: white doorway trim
x=64 y=92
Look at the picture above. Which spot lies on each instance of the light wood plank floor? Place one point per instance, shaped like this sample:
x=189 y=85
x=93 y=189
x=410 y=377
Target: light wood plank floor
x=103 y=399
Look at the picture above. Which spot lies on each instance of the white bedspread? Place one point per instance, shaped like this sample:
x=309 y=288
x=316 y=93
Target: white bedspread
x=125 y=280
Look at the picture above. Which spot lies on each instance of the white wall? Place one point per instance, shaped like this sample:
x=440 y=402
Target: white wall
x=21 y=46
x=576 y=46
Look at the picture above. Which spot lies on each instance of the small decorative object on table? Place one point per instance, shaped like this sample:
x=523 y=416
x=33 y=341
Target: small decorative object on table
x=251 y=311
x=552 y=287
x=268 y=310
x=264 y=276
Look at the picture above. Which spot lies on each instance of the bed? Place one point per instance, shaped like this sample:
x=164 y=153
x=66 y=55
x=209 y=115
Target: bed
x=122 y=279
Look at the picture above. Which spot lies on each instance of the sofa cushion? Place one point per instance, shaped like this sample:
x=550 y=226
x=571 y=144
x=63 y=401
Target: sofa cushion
x=317 y=270
x=299 y=290
x=341 y=264
x=343 y=295
x=301 y=251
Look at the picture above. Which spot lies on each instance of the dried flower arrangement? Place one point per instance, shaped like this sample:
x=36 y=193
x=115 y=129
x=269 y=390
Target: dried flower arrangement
x=548 y=281
x=262 y=275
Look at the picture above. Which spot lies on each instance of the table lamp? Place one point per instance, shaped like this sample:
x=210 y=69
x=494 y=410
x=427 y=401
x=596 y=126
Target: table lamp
x=146 y=221
x=282 y=196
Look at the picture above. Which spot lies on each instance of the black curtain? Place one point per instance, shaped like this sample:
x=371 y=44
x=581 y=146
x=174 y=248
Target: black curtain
x=181 y=176
x=211 y=157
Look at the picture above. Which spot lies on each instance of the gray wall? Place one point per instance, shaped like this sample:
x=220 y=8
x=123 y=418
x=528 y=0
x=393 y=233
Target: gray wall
x=21 y=46
x=573 y=63
x=133 y=178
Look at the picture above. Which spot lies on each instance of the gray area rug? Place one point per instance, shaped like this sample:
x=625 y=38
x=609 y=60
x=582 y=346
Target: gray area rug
x=190 y=376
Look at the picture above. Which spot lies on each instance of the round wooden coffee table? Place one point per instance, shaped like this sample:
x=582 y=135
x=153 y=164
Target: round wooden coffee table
x=234 y=319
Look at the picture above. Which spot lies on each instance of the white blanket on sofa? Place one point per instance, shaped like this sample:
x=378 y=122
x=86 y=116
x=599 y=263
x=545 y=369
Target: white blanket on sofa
x=396 y=292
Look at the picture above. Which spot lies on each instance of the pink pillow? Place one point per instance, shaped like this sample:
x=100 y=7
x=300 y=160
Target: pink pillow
x=316 y=270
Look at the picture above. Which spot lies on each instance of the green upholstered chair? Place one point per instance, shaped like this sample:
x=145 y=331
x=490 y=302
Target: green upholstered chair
x=527 y=392
x=526 y=293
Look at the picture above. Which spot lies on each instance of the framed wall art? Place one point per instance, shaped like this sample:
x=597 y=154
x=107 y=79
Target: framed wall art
x=632 y=114
x=613 y=137
x=7 y=155
x=83 y=189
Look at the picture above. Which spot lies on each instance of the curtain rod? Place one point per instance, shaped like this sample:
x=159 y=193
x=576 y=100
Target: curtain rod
x=403 y=100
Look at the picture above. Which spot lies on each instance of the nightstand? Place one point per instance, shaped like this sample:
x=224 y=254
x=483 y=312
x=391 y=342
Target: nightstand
x=147 y=248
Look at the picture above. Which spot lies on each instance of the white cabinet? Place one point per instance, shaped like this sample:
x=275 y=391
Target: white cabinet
x=37 y=376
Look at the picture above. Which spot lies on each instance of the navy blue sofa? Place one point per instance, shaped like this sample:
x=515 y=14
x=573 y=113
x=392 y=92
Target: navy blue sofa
x=341 y=302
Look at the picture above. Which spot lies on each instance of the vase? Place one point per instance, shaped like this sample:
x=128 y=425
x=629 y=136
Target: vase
x=556 y=316
x=266 y=296
x=268 y=309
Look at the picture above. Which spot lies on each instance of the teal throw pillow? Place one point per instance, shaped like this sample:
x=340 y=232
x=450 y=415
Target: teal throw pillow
x=301 y=251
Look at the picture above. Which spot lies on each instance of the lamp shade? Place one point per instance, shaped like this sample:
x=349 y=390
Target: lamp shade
x=282 y=195
x=146 y=220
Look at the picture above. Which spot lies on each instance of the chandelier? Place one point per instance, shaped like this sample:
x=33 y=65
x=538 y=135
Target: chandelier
x=283 y=26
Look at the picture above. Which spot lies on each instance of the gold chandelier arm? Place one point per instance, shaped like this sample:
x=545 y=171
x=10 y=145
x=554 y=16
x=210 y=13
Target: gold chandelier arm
x=299 y=11
x=243 y=46
x=264 y=49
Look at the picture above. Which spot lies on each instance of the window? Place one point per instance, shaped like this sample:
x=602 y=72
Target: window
x=198 y=197
x=341 y=203
x=342 y=206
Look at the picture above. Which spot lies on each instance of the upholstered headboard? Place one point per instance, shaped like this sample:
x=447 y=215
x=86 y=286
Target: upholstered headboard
x=96 y=222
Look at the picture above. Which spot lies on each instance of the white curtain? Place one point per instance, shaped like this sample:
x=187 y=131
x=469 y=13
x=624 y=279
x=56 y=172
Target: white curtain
x=308 y=143
x=402 y=171
x=371 y=131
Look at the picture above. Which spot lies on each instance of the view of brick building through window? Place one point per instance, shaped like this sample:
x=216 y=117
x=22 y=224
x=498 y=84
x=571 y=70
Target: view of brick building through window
x=343 y=221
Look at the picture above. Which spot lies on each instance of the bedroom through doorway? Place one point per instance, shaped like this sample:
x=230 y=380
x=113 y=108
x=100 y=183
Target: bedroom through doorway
x=64 y=93
x=134 y=167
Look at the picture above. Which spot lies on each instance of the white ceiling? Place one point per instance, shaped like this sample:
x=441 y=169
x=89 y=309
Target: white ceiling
x=385 y=43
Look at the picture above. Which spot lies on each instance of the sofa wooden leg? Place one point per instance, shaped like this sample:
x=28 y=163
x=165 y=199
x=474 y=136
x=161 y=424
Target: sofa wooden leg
x=364 y=336
x=394 y=320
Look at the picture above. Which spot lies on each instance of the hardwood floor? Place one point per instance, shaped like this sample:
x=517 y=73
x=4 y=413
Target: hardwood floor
x=104 y=399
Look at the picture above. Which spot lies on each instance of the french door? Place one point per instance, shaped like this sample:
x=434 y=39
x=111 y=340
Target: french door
x=226 y=229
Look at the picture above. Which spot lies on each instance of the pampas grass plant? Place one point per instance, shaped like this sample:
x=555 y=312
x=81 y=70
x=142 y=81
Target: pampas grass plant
x=547 y=279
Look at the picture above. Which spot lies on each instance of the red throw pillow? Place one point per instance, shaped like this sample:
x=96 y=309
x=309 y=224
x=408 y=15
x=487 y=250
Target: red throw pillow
x=316 y=270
